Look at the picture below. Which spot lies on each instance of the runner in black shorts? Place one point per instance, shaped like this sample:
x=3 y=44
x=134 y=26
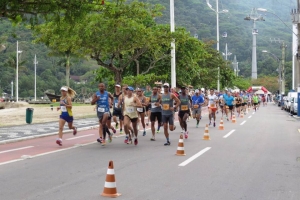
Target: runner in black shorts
x=184 y=110
x=155 y=103
x=117 y=111
x=147 y=95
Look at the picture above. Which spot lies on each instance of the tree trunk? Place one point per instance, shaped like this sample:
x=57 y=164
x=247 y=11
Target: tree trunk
x=68 y=70
x=137 y=66
x=118 y=77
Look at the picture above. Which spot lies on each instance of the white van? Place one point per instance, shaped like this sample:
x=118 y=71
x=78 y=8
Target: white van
x=290 y=96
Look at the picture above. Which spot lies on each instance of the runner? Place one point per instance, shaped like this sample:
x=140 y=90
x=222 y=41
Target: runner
x=161 y=124
x=255 y=101
x=131 y=103
x=245 y=102
x=197 y=102
x=103 y=99
x=184 y=110
x=167 y=111
x=147 y=94
x=212 y=101
x=141 y=111
x=221 y=103
x=229 y=103
x=155 y=103
x=66 y=115
x=120 y=105
x=238 y=103
x=117 y=111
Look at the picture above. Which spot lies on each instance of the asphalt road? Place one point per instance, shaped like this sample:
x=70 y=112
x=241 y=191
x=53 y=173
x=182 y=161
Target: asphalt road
x=257 y=158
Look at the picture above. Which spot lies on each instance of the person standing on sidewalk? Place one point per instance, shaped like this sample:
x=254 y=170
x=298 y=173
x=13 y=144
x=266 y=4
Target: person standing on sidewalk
x=66 y=115
x=103 y=99
x=167 y=99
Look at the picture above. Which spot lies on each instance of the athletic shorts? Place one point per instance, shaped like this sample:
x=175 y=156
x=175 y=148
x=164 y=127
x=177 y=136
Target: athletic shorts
x=109 y=116
x=118 y=113
x=68 y=119
x=142 y=111
x=101 y=114
x=237 y=105
x=230 y=107
x=148 y=107
x=182 y=113
x=243 y=104
x=133 y=120
x=212 y=109
x=197 y=111
x=156 y=115
x=255 y=104
x=168 y=119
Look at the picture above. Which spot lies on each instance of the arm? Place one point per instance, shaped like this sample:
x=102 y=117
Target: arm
x=137 y=102
x=176 y=100
x=120 y=100
x=69 y=101
x=95 y=99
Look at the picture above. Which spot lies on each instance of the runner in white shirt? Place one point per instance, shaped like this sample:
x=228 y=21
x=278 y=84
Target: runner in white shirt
x=212 y=108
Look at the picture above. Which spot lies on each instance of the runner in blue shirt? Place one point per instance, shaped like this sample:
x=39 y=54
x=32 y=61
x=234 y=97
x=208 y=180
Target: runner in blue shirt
x=229 y=103
x=197 y=101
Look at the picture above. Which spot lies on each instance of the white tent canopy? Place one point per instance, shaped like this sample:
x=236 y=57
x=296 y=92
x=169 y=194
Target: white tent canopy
x=261 y=92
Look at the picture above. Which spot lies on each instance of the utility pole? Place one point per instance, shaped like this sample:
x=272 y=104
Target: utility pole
x=283 y=47
x=35 y=63
x=235 y=66
x=296 y=20
x=254 y=16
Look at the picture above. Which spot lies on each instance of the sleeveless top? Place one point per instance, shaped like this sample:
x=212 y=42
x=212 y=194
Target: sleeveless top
x=184 y=105
x=147 y=94
x=102 y=103
x=142 y=100
x=238 y=100
x=64 y=110
x=116 y=101
x=154 y=108
x=129 y=110
x=167 y=103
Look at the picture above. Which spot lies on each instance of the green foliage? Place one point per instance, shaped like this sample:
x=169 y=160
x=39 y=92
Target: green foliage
x=143 y=80
x=241 y=83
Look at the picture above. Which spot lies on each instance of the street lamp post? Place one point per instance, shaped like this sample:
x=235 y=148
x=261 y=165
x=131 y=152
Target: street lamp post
x=173 y=58
x=35 y=63
x=12 y=89
x=17 y=73
x=218 y=32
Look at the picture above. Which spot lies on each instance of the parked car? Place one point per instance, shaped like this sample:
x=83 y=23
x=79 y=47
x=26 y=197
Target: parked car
x=294 y=106
x=290 y=97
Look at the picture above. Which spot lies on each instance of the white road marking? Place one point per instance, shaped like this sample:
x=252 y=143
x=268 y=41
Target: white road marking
x=194 y=157
x=243 y=122
x=16 y=149
x=74 y=138
x=228 y=134
x=250 y=116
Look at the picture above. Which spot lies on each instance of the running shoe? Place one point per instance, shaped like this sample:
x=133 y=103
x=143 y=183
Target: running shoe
x=114 y=130
x=75 y=131
x=99 y=140
x=117 y=125
x=168 y=143
x=121 y=131
x=103 y=143
x=152 y=139
x=109 y=138
x=144 y=133
x=197 y=125
x=157 y=131
x=186 y=135
x=129 y=141
x=59 y=142
x=214 y=124
x=209 y=123
x=182 y=131
x=126 y=140
x=136 y=141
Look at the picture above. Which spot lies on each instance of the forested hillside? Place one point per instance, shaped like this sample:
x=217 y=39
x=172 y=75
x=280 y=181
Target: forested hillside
x=194 y=15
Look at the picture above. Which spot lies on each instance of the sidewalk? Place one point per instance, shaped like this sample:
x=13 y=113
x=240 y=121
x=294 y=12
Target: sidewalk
x=15 y=133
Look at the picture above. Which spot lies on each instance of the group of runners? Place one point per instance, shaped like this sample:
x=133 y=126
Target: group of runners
x=131 y=106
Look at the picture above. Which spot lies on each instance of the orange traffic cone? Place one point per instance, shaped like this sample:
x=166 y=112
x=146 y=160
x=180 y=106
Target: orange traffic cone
x=221 y=127
x=206 y=133
x=110 y=188
x=242 y=114
x=233 y=119
x=180 y=148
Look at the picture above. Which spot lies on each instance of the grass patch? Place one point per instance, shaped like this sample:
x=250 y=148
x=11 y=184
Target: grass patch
x=57 y=104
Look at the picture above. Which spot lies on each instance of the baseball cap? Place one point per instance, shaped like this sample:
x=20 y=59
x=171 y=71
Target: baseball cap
x=130 y=88
x=117 y=85
x=166 y=84
x=182 y=87
x=64 y=89
x=197 y=91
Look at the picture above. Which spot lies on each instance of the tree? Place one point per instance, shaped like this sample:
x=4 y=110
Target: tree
x=269 y=82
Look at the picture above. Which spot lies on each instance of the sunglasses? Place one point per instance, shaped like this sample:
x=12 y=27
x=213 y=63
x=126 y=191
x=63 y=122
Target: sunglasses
x=126 y=88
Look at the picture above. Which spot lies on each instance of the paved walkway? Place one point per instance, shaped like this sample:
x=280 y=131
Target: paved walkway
x=14 y=132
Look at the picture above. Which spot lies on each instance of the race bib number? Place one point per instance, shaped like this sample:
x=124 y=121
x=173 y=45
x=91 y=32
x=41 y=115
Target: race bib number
x=147 y=99
x=184 y=107
x=63 y=109
x=116 y=105
x=140 y=109
x=130 y=109
x=196 y=106
x=166 y=107
x=153 y=105
x=101 y=109
x=212 y=105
